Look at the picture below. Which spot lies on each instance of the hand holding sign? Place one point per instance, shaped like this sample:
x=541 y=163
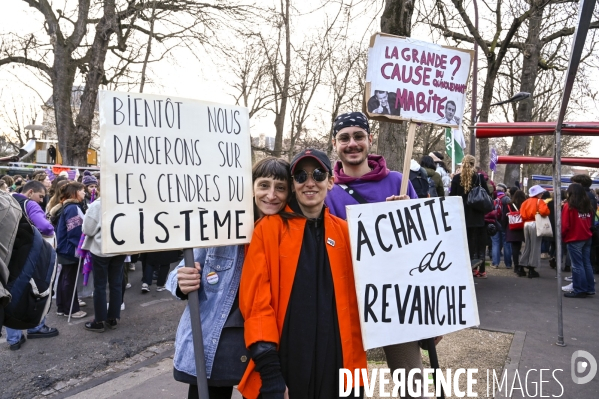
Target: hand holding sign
x=412 y=270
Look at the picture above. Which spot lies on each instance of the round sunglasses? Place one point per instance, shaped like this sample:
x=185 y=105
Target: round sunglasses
x=318 y=175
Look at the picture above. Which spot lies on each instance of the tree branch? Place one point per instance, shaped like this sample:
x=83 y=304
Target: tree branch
x=26 y=61
x=80 y=26
x=566 y=32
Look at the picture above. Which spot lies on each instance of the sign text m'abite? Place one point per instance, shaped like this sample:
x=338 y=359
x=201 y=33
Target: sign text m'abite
x=175 y=173
x=412 y=269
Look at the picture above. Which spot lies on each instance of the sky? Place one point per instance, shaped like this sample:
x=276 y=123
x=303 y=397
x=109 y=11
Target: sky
x=181 y=75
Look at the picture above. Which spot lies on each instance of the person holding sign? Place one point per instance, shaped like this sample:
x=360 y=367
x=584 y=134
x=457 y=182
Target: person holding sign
x=217 y=275
x=298 y=295
x=363 y=178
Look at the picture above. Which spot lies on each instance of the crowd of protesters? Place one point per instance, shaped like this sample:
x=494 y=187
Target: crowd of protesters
x=280 y=316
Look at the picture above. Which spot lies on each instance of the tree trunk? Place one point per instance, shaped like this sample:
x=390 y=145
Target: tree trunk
x=391 y=144
x=396 y=20
x=530 y=71
x=83 y=123
x=62 y=91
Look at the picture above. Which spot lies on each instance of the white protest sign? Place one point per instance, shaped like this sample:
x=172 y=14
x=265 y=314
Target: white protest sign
x=412 y=270
x=409 y=79
x=175 y=173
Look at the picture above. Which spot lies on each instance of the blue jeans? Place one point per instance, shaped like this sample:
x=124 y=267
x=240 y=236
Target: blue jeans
x=499 y=241
x=14 y=336
x=582 y=271
x=107 y=270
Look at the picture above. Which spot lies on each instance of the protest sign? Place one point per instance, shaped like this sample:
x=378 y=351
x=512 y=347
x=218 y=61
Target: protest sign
x=175 y=173
x=408 y=79
x=412 y=269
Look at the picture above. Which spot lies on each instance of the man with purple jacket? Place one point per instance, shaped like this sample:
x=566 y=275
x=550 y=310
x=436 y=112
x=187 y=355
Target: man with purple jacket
x=31 y=196
x=364 y=178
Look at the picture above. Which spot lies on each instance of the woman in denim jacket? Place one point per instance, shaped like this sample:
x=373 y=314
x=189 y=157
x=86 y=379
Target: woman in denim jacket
x=217 y=275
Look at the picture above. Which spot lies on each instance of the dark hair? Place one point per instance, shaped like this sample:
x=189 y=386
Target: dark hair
x=69 y=191
x=518 y=198
x=9 y=180
x=584 y=180
x=512 y=190
x=34 y=185
x=451 y=102
x=427 y=162
x=40 y=176
x=273 y=167
x=55 y=182
x=277 y=169
x=578 y=198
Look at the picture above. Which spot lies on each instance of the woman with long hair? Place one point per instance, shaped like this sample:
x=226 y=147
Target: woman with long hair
x=297 y=295
x=577 y=220
x=68 y=235
x=217 y=274
x=531 y=256
x=514 y=237
x=55 y=198
x=461 y=184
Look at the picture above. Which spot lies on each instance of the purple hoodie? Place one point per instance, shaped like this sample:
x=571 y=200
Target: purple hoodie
x=36 y=215
x=374 y=186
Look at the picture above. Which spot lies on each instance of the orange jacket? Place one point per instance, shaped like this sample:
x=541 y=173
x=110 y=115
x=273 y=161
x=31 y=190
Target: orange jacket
x=530 y=207
x=266 y=283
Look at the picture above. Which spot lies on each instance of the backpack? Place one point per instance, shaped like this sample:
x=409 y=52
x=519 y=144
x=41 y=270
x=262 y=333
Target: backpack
x=32 y=269
x=420 y=183
x=432 y=188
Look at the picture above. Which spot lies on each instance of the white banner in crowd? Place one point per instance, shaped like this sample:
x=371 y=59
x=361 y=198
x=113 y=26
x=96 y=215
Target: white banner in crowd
x=412 y=270
x=175 y=173
x=408 y=79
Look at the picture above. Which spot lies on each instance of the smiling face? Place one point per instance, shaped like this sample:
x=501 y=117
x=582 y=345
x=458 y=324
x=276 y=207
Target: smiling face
x=311 y=194
x=81 y=194
x=352 y=144
x=270 y=195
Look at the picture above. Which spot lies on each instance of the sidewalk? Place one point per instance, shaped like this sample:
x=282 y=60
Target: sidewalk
x=525 y=306
x=530 y=306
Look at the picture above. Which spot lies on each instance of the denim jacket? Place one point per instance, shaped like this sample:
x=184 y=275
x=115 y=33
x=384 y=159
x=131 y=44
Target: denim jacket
x=216 y=300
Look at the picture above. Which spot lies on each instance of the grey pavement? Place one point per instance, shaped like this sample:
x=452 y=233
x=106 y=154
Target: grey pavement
x=527 y=307
x=530 y=306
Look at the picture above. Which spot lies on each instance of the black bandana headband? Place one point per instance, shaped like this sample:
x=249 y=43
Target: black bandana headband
x=350 y=119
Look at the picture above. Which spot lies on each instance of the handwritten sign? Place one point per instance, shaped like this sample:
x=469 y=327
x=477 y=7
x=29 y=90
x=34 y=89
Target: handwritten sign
x=412 y=269
x=175 y=173
x=409 y=79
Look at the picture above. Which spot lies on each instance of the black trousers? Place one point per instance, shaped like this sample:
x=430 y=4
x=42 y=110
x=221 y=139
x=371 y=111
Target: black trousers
x=213 y=392
x=477 y=242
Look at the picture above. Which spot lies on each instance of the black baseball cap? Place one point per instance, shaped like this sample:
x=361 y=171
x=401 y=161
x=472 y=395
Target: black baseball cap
x=319 y=156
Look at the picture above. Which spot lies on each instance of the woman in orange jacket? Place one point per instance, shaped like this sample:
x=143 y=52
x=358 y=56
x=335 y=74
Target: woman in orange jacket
x=531 y=256
x=297 y=294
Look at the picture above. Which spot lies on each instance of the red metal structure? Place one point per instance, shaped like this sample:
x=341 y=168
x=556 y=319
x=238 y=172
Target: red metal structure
x=517 y=159
x=484 y=130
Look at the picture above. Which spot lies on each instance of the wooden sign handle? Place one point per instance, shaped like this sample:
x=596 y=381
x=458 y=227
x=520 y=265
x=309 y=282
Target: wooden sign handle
x=408 y=158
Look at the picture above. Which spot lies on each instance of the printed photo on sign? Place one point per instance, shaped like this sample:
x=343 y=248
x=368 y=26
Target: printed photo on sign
x=412 y=269
x=408 y=79
x=176 y=173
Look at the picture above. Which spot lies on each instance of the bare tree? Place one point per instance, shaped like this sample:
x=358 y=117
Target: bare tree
x=17 y=118
x=78 y=41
